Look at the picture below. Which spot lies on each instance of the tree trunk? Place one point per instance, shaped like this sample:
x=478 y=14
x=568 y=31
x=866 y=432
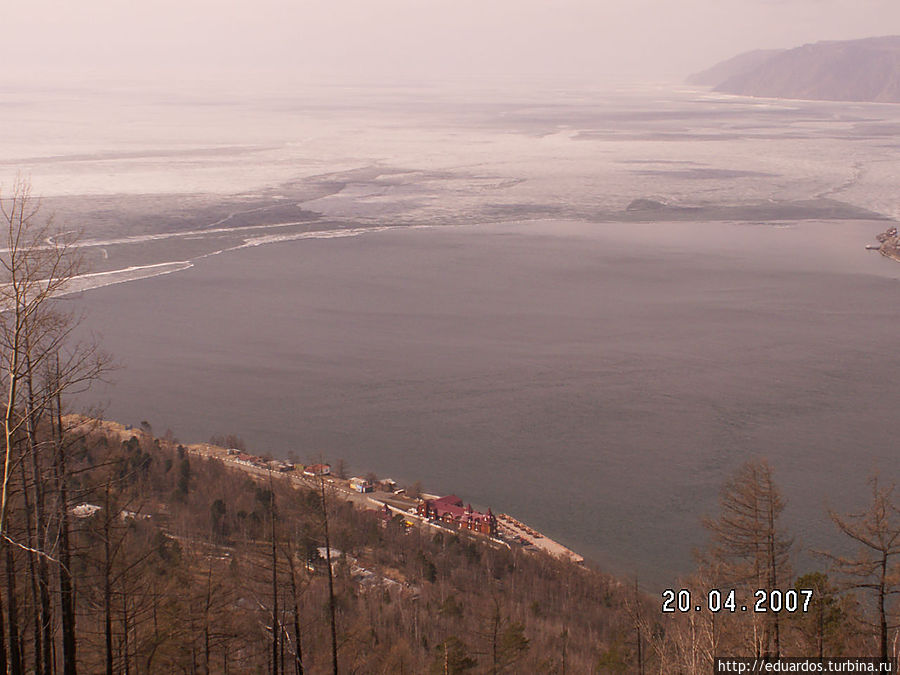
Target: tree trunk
x=773 y=570
x=66 y=586
x=107 y=586
x=126 y=660
x=32 y=575
x=9 y=421
x=15 y=648
x=331 y=607
x=206 y=620
x=882 y=615
x=32 y=416
x=820 y=632
x=298 y=648
x=3 y=659
x=276 y=632
x=495 y=630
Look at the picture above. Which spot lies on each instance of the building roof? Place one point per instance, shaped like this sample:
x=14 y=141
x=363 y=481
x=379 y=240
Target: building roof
x=318 y=468
x=449 y=500
x=453 y=506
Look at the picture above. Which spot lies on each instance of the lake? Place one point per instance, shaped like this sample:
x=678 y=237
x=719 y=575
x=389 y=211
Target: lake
x=597 y=380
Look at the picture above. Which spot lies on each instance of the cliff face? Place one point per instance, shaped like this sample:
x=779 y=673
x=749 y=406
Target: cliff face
x=854 y=70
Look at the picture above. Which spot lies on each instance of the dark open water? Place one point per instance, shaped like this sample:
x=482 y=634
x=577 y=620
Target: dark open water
x=598 y=381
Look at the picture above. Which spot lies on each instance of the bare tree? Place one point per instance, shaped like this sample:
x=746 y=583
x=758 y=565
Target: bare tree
x=748 y=543
x=342 y=469
x=276 y=624
x=298 y=645
x=331 y=602
x=39 y=360
x=876 y=566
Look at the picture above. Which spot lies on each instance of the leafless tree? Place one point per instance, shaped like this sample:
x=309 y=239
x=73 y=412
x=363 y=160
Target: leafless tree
x=748 y=543
x=39 y=361
x=876 y=566
x=331 y=602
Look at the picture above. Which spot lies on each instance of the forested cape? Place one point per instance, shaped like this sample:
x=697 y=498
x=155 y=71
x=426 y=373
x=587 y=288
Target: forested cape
x=184 y=564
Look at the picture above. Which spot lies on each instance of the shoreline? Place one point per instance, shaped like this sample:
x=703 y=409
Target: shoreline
x=510 y=531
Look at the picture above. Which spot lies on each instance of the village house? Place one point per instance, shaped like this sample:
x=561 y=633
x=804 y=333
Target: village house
x=450 y=510
x=248 y=460
x=319 y=564
x=361 y=484
x=317 y=470
x=387 y=485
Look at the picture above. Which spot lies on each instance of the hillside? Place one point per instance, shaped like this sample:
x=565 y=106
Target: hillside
x=852 y=70
x=202 y=559
x=206 y=552
x=736 y=65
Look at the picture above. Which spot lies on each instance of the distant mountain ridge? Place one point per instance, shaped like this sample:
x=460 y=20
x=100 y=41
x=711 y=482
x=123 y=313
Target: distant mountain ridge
x=850 y=70
x=736 y=65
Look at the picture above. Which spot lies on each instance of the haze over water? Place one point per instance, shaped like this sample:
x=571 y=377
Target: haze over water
x=580 y=307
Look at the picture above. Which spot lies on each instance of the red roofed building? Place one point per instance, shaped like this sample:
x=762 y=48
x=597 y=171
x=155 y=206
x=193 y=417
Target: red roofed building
x=317 y=470
x=450 y=510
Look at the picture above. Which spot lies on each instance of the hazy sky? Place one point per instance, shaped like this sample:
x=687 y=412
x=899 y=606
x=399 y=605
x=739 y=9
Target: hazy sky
x=400 y=40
